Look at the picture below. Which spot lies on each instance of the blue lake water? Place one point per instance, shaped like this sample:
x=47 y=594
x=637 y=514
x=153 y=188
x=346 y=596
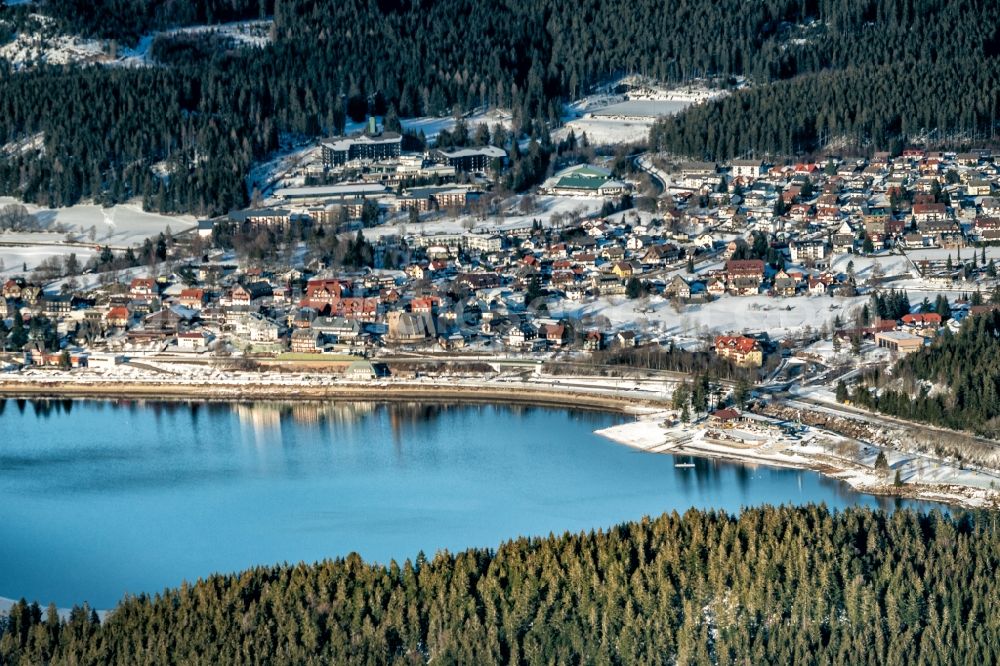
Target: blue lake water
x=102 y=498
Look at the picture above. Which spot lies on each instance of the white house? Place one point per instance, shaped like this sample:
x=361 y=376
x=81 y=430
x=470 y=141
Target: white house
x=811 y=251
x=104 y=361
x=748 y=169
x=194 y=341
x=360 y=371
x=256 y=328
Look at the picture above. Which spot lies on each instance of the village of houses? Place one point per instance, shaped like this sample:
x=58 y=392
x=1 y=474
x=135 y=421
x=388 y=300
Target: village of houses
x=596 y=261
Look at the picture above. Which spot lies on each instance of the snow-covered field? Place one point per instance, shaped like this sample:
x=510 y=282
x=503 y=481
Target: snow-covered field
x=545 y=208
x=13 y=260
x=608 y=118
x=125 y=224
x=642 y=109
x=606 y=131
x=120 y=226
x=432 y=126
x=646 y=91
x=29 y=48
x=897 y=264
x=277 y=171
x=252 y=34
x=902 y=269
x=61 y=50
x=746 y=314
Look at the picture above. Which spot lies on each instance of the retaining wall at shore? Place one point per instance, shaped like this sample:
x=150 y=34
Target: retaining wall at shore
x=520 y=394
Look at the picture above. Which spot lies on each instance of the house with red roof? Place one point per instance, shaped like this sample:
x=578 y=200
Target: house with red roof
x=922 y=320
x=724 y=417
x=425 y=304
x=360 y=309
x=193 y=298
x=554 y=334
x=12 y=289
x=744 y=276
x=323 y=292
x=117 y=317
x=142 y=288
x=929 y=212
x=741 y=350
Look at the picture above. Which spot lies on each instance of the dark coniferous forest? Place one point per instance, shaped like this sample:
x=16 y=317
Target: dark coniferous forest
x=773 y=586
x=869 y=75
x=955 y=382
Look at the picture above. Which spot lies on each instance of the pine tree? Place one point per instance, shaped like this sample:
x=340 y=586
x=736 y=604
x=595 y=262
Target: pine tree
x=942 y=307
x=633 y=288
x=867 y=246
x=18 y=333
x=742 y=392
x=681 y=396
x=842 y=394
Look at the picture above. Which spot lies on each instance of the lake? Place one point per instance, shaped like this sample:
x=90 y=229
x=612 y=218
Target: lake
x=103 y=498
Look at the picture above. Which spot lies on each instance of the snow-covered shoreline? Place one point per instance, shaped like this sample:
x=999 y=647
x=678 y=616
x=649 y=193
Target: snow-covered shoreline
x=824 y=453
x=283 y=386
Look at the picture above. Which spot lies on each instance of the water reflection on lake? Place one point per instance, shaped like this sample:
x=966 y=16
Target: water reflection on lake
x=103 y=497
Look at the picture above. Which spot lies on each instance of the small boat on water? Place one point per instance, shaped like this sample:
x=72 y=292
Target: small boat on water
x=683 y=464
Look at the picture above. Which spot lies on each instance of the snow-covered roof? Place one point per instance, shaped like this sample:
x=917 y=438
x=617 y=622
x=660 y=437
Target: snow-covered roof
x=347 y=189
x=488 y=151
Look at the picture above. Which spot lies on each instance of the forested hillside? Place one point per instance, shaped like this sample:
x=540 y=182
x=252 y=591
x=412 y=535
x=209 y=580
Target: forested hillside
x=127 y=20
x=879 y=76
x=868 y=73
x=953 y=383
x=775 y=585
x=103 y=129
x=860 y=109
